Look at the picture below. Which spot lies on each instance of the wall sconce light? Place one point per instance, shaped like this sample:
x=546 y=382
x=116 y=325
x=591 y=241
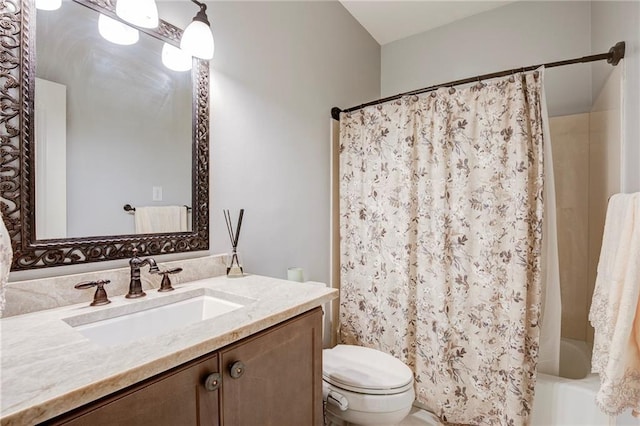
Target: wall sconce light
x=48 y=4
x=175 y=59
x=141 y=13
x=117 y=32
x=197 y=39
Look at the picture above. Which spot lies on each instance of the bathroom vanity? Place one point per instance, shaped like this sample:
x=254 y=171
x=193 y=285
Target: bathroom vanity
x=259 y=363
x=273 y=377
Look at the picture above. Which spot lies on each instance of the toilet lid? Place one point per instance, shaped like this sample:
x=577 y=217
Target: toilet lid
x=364 y=370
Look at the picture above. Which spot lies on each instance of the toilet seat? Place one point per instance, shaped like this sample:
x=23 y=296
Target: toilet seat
x=365 y=371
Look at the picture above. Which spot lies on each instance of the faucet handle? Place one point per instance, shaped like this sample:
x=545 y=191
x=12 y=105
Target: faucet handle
x=100 y=296
x=166 y=281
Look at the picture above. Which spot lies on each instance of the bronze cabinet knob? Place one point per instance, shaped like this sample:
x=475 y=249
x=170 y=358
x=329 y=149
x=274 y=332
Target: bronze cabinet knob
x=236 y=370
x=212 y=382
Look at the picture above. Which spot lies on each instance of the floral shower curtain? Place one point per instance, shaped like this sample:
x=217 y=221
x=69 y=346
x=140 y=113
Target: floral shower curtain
x=441 y=225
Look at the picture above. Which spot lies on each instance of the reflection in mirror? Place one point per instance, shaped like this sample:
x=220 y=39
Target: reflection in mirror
x=113 y=126
x=118 y=154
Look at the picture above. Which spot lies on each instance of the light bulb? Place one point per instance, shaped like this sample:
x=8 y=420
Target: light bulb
x=141 y=13
x=117 y=32
x=175 y=59
x=48 y=4
x=197 y=39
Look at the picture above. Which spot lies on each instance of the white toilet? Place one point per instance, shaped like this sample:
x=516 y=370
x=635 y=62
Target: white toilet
x=363 y=386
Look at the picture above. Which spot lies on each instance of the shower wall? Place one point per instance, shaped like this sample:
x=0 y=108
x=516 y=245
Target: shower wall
x=570 y=146
x=586 y=162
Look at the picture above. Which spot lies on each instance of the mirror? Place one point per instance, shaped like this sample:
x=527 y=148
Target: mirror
x=113 y=157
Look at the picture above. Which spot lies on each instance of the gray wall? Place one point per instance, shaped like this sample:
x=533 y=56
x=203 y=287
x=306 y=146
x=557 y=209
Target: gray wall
x=278 y=69
x=519 y=34
x=612 y=21
x=527 y=33
x=128 y=121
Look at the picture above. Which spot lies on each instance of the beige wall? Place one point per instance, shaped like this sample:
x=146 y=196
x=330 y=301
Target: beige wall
x=586 y=162
x=570 y=145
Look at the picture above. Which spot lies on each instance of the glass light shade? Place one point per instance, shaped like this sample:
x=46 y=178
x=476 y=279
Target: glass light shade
x=141 y=13
x=48 y=4
x=175 y=59
x=197 y=40
x=117 y=32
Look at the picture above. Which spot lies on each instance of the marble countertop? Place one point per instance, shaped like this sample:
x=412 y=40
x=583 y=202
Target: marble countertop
x=49 y=368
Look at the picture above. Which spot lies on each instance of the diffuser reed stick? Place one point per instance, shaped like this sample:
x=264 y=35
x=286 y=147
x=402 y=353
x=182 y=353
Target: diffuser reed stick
x=234 y=269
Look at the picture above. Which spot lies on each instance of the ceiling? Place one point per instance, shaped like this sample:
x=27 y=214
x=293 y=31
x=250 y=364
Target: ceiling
x=391 y=20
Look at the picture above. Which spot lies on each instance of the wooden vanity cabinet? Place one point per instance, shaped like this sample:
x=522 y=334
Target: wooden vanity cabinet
x=271 y=378
x=177 y=397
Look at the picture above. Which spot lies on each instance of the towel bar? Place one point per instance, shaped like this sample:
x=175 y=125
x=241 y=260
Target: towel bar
x=128 y=208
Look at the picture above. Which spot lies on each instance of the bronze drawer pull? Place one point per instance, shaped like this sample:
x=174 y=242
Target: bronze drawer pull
x=237 y=369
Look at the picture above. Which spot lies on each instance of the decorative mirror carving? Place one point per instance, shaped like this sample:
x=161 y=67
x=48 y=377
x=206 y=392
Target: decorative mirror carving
x=17 y=181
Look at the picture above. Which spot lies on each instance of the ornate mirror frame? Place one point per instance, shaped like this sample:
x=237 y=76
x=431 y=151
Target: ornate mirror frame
x=17 y=183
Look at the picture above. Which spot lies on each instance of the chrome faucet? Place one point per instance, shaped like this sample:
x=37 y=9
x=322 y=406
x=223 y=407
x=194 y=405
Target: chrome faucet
x=135 y=286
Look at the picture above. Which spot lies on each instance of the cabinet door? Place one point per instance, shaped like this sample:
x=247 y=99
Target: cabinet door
x=276 y=377
x=175 y=398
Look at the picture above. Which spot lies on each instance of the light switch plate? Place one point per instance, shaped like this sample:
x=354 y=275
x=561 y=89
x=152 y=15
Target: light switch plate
x=157 y=193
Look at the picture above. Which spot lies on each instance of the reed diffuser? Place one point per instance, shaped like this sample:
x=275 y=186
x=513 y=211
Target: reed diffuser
x=234 y=269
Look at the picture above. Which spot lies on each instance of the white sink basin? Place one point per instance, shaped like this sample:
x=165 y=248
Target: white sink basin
x=152 y=321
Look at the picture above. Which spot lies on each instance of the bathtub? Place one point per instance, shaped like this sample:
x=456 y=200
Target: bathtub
x=570 y=399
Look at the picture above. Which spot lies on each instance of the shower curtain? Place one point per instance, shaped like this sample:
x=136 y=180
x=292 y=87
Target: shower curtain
x=441 y=217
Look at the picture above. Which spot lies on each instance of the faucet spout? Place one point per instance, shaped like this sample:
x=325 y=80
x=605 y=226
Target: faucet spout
x=135 y=285
x=153 y=266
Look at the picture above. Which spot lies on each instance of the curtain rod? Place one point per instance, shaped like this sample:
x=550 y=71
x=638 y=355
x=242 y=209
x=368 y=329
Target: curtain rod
x=612 y=57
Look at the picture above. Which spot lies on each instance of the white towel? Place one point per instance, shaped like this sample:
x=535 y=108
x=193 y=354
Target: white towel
x=153 y=220
x=614 y=308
